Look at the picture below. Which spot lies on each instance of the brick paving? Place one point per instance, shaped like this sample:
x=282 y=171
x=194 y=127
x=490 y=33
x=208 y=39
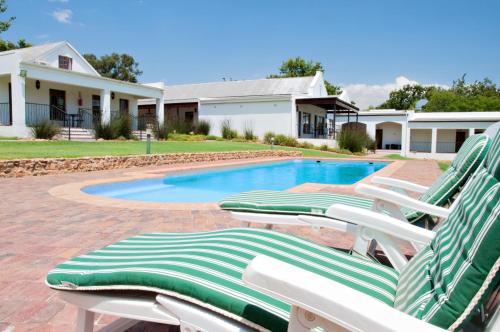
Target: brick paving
x=39 y=231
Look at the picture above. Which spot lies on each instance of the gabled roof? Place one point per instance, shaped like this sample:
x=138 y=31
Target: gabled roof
x=244 y=88
x=30 y=54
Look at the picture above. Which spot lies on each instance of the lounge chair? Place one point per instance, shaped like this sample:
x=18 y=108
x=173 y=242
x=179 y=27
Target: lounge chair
x=310 y=209
x=212 y=281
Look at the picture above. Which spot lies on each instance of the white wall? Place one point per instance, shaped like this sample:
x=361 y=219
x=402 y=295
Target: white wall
x=262 y=116
x=79 y=65
x=391 y=133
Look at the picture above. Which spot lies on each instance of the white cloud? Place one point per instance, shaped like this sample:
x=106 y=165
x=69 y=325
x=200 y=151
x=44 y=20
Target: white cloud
x=366 y=95
x=63 y=15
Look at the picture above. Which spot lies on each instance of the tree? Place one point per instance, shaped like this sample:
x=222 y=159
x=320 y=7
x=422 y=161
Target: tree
x=405 y=98
x=4 y=26
x=118 y=66
x=298 y=67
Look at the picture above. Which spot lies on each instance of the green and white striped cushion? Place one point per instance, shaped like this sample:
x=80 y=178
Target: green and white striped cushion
x=470 y=155
x=284 y=202
x=451 y=276
x=206 y=268
x=468 y=158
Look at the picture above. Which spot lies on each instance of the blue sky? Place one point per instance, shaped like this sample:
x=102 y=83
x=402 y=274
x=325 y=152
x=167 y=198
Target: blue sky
x=361 y=43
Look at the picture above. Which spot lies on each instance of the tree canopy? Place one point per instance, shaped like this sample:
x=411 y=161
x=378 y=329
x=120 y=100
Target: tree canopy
x=118 y=66
x=479 y=96
x=4 y=26
x=298 y=67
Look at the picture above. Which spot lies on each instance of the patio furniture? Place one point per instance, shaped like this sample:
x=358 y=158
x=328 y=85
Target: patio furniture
x=239 y=279
x=281 y=207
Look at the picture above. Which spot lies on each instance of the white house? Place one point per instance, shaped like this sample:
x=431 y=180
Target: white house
x=54 y=82
x=297 y=106
x=436 y=135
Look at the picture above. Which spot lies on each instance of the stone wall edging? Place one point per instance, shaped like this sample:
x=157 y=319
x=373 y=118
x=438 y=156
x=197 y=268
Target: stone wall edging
x=46 y=166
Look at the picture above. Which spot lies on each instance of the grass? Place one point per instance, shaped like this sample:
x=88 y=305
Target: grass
x=396 y=156
x=72 y=149
x=7 y=138
x=444 y=165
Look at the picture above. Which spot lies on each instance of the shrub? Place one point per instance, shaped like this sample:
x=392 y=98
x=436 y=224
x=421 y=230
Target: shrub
x=45 y=130
x=285 y=140
x=226 y=130
x=248 y=134
x=160 y=132
x=104 y=131
x=305 y=145
x=268 y=136
x=123 y=127
x=178 y=127
x=323 y=147
x=354 y=141
x=203 y=127
x=186 y=137
x=212 y=138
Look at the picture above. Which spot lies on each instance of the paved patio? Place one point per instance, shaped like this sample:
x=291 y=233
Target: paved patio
x=39 y=231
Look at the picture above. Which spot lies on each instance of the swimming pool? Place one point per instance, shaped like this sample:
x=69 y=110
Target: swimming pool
x=213 y=185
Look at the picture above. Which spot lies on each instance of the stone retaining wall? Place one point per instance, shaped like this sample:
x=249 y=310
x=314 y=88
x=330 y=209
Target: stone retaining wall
x=36 y=167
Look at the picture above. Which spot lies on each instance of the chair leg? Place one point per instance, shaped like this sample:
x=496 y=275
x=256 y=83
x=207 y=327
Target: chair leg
x=84 y=321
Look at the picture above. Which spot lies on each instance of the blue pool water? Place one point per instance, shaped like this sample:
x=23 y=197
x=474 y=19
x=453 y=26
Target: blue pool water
x=212 y=186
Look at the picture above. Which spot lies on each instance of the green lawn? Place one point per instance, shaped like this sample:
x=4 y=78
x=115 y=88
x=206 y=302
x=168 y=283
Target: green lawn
x=396 y=156
x=444 y=165
x=52 y=149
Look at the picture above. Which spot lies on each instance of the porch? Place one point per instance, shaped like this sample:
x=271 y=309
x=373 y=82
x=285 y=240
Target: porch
x=69 y=99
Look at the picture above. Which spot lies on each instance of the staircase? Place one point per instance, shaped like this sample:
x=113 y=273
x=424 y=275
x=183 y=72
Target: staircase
x=77 y=134
x=141 y=135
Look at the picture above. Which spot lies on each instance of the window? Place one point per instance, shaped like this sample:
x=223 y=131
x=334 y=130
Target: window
x=65 y=62
x=321 y=126
x=306 y=123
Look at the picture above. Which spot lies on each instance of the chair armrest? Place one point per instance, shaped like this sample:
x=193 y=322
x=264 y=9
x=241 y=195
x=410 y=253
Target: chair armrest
x=399 y=184
x=380 y=222
x=332 y=301
x=401 y=200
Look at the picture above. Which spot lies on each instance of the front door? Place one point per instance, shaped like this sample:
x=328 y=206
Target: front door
x=124 y=107
x=459 y=139
x=96 y=108
x=379 y=133
x=57 y=104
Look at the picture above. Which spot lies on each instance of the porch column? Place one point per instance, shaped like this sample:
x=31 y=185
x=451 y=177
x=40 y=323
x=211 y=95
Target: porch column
x=160 y=110
x=18 y=86
x=405 y=134
x=434 y=140
x=471 y=131
x=106 y=106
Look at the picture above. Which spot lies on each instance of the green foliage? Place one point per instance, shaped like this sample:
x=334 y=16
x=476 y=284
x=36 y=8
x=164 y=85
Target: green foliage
x=123 y=127
x=354 y=141
x=323 y=147
x=396 y=156
x=4 y=26
x=45 y=130
x=248 y=134
x=178 y=127
x=160 y=132
x=105 y=131
x=285 y=140
x=203 y=127
x=406 y=98
x=212 y=138
x=268 y=137
x=118 y=66
x=444 y=165
x=298 y=67
x=186 y=137
x=306 y=145
x=226 y=131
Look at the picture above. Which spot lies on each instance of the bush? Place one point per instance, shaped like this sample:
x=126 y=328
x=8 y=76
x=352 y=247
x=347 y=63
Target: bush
x=186 y=137
x=285 y=140
x=203 y=127
x=306 y=145
x=226 y=130
x=45 y=130
x=248 y=134
x=104 y=131
x=268 y=137
x=323 y=147
x=123 y=127
x=160 y=132
x=178 y=127
x=354 y=141
x=212 y=138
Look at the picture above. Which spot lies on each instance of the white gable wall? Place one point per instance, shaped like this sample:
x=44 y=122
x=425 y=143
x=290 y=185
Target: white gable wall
x=79 y=64
x=261 y=116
